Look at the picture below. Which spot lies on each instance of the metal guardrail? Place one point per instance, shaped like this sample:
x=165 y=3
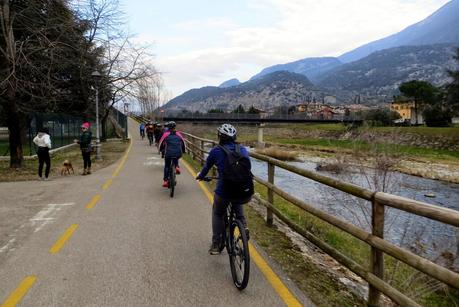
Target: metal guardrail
x=374 y=275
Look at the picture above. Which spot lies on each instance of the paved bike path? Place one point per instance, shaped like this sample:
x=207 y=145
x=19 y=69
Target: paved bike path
x=135 y=247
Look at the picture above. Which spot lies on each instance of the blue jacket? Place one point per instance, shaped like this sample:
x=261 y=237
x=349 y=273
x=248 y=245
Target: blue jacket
x=217 y=157
x=173 y=146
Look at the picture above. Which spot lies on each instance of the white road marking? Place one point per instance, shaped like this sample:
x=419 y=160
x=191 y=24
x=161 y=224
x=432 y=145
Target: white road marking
x=153 y=163
x=6 y=247
x=46 y=215
x=154 y=158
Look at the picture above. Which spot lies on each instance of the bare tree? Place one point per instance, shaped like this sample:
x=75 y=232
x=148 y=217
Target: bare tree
x=125 y=64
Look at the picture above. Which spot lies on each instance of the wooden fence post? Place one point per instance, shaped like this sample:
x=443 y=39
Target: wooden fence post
x=377 y=256
x=202 y=153
x=269 y=213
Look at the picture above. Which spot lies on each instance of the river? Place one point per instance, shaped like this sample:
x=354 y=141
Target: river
x=425 y=237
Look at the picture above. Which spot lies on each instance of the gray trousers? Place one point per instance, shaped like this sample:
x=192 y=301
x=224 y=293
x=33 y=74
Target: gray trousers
x=218 y=213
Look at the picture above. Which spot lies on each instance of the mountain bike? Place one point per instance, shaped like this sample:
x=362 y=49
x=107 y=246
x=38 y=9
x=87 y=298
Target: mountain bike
x=235 y=240
x=172 y=182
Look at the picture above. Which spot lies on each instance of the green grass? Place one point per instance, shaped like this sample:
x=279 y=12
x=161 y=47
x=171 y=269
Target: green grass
x=349 y=145
x=111 y=152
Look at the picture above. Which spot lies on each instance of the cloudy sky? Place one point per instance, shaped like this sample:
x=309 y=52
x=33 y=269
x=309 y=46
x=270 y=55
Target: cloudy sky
x=205 y=42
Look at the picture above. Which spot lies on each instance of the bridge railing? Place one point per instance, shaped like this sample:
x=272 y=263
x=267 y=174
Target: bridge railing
x=374 y=275
x=258 y=117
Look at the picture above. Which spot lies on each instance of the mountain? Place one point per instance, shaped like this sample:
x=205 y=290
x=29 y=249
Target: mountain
x=310 y=67
x=229 y=83
x=274 y=89
x=380 y=73
x=440 y=27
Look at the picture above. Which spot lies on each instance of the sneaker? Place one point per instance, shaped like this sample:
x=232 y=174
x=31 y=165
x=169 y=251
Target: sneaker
x=214 y=249
x=177 y=170
x=165 y=184
x=40 y=178
x=46 y=179
x=88 y=172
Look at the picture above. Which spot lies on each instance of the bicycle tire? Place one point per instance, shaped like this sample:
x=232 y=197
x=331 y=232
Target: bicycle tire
x=172 y=179
x=239 y=255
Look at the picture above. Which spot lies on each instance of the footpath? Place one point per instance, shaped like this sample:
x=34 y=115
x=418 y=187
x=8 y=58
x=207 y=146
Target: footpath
x=116 y=238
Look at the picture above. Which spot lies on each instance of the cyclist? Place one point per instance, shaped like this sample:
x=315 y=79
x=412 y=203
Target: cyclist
x=172 y=145
x=142 y=130
x=217 y=156
x=158 y=133
x=150 y=128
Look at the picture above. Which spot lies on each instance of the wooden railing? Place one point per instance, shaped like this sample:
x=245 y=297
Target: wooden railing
x=374 y=275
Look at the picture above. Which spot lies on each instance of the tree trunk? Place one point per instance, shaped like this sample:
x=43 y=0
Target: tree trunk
x=16 y=125
x=416 y=110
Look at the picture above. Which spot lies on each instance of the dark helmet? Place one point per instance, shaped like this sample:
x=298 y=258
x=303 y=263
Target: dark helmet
x=171 y=124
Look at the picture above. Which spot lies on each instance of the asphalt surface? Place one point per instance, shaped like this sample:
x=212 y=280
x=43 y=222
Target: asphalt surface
x=135 y=247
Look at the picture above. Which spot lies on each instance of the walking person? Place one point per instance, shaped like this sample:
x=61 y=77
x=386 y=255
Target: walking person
x=85 y=146
x=43 y=141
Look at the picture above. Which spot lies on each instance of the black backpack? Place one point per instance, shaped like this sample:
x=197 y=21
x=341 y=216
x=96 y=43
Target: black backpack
x=237 y=175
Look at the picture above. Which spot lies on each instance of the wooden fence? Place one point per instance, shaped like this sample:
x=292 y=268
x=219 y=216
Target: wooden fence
x=374 y=275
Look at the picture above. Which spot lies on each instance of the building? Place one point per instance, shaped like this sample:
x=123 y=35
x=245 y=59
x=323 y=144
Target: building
x=406 y=111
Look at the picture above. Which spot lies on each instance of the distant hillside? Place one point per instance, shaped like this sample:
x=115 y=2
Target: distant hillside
x=440 y=27
x=312 y=68
x=278 y=88
x=229 y=83
x=382 y=72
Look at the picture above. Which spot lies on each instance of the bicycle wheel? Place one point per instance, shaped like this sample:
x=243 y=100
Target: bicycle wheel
x=172 y=179
x=239 y=255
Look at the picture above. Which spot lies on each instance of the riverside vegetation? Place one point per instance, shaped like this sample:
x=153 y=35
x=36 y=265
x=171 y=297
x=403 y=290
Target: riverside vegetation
x=369 y=149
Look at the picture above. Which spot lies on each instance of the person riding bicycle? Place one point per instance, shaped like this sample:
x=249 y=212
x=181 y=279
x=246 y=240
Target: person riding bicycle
x=158 y=133
x=142 y=130
x=172 y=145
x=150 y=129
x=223 y=195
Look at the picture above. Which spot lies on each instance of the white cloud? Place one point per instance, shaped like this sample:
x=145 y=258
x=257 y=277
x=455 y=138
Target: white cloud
x=209 y=51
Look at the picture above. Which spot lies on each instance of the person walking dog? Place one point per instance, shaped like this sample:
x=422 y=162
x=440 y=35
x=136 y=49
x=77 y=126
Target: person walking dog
x=43 y=142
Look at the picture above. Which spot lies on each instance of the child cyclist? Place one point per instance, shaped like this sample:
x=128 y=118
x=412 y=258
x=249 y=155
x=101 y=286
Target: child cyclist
x=172 y=145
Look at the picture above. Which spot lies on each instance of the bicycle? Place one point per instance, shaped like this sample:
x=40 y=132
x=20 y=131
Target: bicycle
x=172 y=182
x=236 y=242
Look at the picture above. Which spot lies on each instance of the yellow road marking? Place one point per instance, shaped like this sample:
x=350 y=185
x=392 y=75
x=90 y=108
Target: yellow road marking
x=107 y=184
x=123 y=160
x=277 y=284
x=93 y=201
x=16 y=296
x=61 y=241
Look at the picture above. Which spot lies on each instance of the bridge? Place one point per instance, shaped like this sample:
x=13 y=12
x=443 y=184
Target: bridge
x=116 y=238
x=257 y=118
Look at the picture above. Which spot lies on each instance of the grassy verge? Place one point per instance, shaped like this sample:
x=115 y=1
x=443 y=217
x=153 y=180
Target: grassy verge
x=111 y=152
x=319 y=286
x=348 y=145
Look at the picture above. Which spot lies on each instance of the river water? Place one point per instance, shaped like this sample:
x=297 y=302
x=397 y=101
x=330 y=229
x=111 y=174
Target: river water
x=425 y=237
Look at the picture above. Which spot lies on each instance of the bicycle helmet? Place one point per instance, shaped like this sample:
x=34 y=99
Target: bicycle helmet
x=171 y=124
x=228 y=130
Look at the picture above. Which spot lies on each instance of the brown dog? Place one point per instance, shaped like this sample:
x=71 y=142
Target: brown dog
x=66 y=167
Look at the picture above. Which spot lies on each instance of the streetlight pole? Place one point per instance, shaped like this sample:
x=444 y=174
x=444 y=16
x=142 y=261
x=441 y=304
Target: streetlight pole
x=97 y=76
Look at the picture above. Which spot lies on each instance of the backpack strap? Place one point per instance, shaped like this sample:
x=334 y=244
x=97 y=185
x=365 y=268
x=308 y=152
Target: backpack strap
x=228 y=153
x=226 y=150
